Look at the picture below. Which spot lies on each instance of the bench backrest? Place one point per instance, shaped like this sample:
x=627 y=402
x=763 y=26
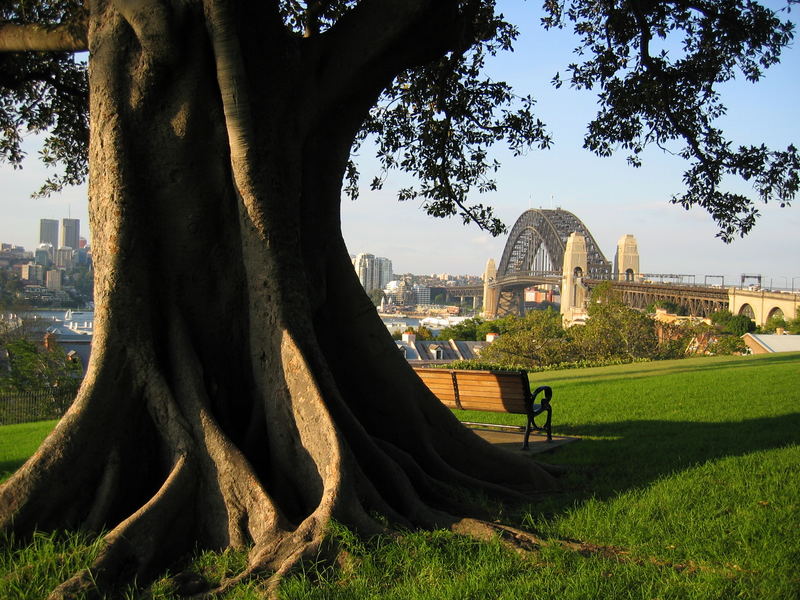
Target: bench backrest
x=495 y=391
x=441 y=383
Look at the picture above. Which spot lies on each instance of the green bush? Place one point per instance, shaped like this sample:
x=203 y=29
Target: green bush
x=728 y=344
x=739 y=325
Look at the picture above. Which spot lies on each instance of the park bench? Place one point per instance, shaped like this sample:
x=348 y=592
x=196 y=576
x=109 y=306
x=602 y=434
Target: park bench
x=493 y=391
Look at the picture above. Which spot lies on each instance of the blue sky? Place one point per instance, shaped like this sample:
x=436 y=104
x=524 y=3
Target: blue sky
x=611 y=198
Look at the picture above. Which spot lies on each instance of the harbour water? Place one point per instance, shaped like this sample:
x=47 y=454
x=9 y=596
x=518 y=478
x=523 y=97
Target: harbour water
x=399 y=324
x=84 y=319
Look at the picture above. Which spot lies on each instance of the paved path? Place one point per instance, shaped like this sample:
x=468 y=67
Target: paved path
x=512 y=440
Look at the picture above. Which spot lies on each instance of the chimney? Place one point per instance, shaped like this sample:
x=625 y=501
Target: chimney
x=409 y=337
x=490 y=337
x=49 y=341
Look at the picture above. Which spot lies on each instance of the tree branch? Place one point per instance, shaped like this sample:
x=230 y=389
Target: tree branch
x=313 y=11
x=67 y=37
x=377 y=40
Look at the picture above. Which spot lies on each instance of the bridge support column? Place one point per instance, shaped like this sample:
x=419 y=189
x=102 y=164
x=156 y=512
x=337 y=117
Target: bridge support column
x=491 y=295
x=573 y=291
x=626 y=259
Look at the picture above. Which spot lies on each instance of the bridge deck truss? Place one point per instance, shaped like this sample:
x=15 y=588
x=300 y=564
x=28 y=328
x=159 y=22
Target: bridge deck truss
x=699 y=301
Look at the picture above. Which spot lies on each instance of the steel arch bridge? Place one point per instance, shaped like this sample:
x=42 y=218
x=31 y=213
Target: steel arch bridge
x=535 y=247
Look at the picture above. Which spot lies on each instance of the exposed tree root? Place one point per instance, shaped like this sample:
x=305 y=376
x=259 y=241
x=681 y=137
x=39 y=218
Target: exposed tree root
x=526 y=544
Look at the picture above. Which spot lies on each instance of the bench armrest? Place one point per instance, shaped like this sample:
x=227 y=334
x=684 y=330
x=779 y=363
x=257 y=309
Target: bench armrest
x=548 y=395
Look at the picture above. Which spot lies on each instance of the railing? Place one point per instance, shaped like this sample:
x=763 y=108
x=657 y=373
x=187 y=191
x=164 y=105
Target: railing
x=25 y=407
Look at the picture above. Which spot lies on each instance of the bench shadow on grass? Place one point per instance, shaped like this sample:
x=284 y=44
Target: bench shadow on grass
x=636 y=453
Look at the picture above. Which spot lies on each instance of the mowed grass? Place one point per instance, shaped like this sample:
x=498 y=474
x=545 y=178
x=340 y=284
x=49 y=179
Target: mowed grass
x=685 y=484
x=18 y=442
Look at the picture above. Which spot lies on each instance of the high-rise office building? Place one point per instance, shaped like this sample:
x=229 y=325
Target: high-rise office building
x=48 y=232
x=373 y=273
x=70 y=233
x=384 y=268
x=365 y=269
x=65 y=257
x=54 y=279
x=422 y=294
x=43 y=255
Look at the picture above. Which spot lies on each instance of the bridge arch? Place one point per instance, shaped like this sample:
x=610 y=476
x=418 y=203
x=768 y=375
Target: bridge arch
x=763 y=305
x=776 y=312
x=536 y=243
x=747 y=311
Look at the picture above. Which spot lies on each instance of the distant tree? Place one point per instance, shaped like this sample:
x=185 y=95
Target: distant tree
x=774 y=323
x=35 y=368
x=501 y=326
x=439 y=299
x=739 y=325
x=476 y=328
x=82 y=278
x=376 y=296
x=671 y=307
x=727 y=344
x=613 y=330
x=422 y=333
x=10 y=289
x=674 y=338
x=466 y=330
x=793 y=326
x=721 y=317
x=537 y=339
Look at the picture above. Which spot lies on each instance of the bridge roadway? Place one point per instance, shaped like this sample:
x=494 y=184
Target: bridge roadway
x=699 y=300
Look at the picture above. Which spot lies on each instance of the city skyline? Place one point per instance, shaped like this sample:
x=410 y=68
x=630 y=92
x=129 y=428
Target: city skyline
x=611 y=198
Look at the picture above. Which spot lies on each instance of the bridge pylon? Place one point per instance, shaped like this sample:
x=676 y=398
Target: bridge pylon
x=490 y=294
x=574 y=292
x=626 y=259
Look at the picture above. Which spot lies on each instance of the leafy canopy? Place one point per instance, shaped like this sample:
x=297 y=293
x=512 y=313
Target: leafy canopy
x=656 y=67
x=45 y=93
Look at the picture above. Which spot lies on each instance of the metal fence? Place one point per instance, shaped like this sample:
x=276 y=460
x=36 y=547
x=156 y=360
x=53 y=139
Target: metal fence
x=25 y=407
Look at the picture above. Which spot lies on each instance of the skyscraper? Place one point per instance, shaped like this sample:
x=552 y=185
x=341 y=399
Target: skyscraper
x=365 y=268
x=384 y=268
x=48 y=232
x=373 y=273
x=70 y=233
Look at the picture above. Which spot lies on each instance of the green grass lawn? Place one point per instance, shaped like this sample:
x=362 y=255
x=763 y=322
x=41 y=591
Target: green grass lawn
x=685 y=484
x=18 y=442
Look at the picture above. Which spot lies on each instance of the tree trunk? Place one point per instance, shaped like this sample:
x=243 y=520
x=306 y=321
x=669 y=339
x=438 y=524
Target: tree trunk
x=242 y=389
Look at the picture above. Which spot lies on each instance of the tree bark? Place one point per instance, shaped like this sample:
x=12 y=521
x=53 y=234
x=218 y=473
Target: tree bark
x=70 y=37
x=242 y=389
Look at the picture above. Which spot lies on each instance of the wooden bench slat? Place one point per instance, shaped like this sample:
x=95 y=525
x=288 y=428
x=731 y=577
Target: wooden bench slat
x=438 y=381
x=490 y=382
x=491 y=389
x=500 y=406
x=443 y=391
x=440 y=386
x=490 y=394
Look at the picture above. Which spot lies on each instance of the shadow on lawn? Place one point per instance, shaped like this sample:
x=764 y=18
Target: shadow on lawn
x=637 y=453
x=7 y=468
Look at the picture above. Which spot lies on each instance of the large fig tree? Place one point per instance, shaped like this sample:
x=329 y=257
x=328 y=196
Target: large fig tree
x=242 y=390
